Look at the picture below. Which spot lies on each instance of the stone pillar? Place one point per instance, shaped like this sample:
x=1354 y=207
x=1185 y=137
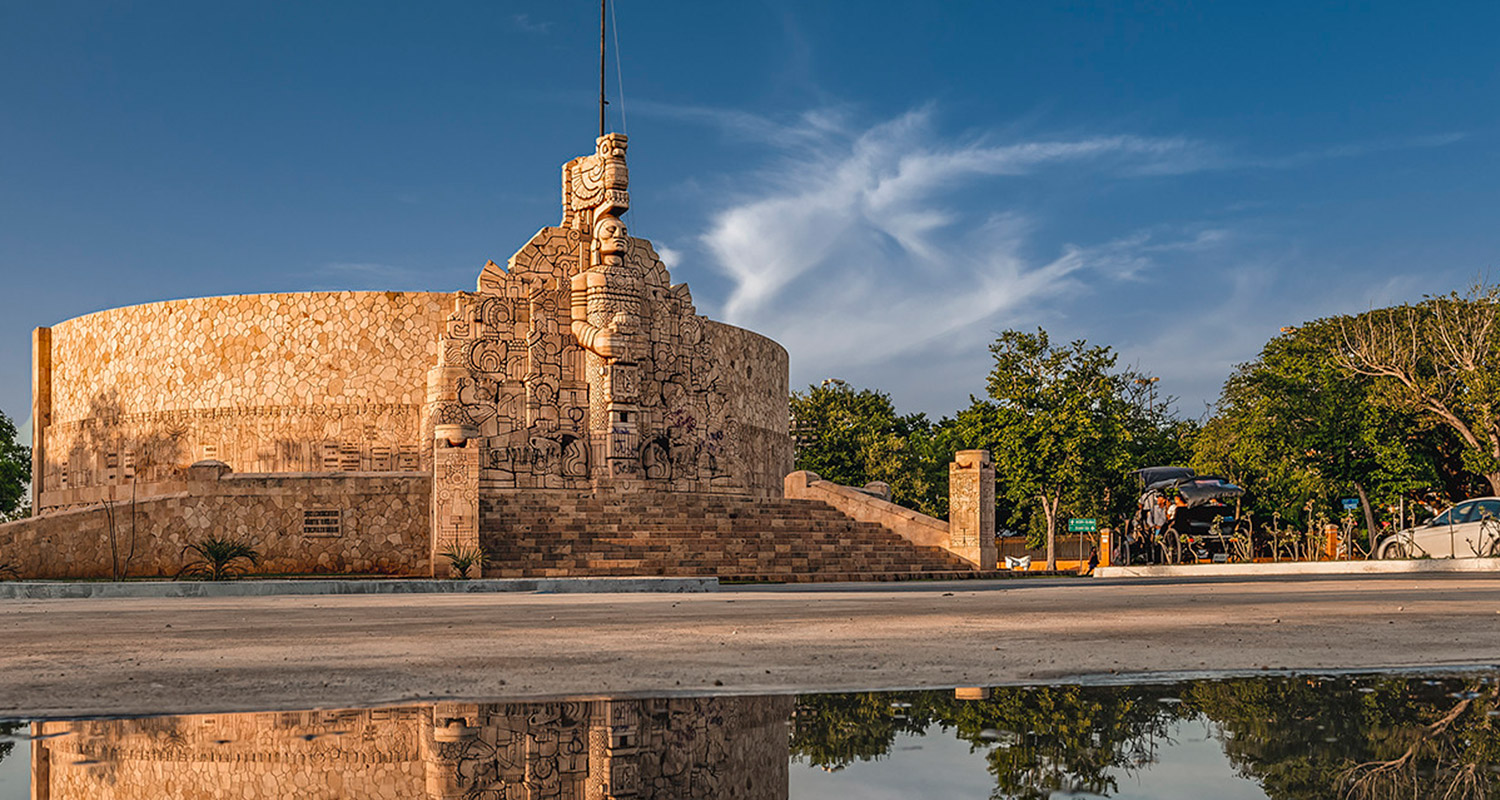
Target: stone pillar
x=41 y=760
x=41 y=411
x=455 y=496
x=971 y=507
x=453 y=727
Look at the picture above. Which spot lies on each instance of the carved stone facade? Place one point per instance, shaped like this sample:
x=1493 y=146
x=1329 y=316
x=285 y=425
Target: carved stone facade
x=734 y=748
x=579 y=366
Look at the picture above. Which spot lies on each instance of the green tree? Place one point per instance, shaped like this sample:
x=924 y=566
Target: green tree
x=1439 y=359
x=15 y=471
x=853 y=437
x=1295 y=425
x=1060 y=426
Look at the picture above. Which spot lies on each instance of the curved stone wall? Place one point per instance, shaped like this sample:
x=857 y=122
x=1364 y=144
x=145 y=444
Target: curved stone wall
x=298 y=382
x=753 y=376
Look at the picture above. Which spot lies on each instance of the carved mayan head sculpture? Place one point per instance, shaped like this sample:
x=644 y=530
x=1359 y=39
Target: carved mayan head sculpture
x=611 y=240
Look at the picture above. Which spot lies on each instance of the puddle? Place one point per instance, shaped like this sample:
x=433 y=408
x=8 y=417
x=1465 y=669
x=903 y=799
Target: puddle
x=1264 y=737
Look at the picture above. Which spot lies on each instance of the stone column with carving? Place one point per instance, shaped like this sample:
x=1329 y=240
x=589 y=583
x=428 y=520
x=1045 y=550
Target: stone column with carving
x=607 y=298
x=455 y=473
x=971 y=507
x=455 y=498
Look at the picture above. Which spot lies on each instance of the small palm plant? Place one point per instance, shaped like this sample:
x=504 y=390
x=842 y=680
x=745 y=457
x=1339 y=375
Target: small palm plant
x=464 y=558
x=219 y=558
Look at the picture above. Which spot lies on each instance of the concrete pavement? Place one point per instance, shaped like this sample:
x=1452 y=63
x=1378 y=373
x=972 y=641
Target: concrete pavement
x=173 y=655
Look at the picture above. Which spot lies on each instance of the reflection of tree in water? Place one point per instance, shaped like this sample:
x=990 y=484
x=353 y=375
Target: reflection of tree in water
x=1039 y=740
x=1358 y=738
x=1299 y=737
x=8 y=733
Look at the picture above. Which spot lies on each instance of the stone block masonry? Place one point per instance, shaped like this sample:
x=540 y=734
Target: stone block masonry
x=300 y=523
x=969 y=532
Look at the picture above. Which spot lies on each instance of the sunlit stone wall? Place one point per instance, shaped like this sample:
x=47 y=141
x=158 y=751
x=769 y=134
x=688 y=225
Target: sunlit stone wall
x=305 y=382
x=753 y=374
x=329 y=523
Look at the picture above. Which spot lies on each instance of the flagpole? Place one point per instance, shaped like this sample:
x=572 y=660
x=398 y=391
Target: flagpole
x=603 y=7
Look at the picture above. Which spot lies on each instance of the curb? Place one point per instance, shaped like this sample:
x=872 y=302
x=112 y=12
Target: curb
x=1402 y=567
x=64 y=590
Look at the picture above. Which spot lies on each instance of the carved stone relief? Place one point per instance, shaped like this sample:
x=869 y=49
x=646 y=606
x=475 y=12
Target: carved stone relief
x=618 y=385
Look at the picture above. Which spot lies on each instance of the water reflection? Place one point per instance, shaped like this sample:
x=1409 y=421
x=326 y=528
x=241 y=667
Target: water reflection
x=694 y=747
x=1297 y=737
x=1366 y=738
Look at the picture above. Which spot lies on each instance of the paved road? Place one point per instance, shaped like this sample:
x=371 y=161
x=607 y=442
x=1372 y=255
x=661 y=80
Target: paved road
x=65 y=657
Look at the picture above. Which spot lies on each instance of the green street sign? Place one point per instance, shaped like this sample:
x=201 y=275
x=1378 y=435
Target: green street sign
x=1083 y=526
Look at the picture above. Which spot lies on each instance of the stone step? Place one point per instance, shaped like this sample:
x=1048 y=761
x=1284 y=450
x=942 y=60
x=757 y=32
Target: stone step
x=740 y=538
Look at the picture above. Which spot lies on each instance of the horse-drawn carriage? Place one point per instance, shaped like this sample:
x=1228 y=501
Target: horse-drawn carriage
x=1184 y=518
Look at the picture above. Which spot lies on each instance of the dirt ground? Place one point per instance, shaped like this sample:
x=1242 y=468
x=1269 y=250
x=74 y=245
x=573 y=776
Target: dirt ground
x=135 y=656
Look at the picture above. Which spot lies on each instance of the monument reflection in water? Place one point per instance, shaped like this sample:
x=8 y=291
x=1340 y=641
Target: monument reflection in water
x=723 y=747
x=1295 y=737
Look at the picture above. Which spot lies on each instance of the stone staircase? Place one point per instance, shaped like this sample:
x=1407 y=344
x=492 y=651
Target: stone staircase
x=559 y=534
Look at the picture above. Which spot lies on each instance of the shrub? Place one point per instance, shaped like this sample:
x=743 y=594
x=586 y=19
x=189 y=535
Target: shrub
x=218 y=558
x=463 y=559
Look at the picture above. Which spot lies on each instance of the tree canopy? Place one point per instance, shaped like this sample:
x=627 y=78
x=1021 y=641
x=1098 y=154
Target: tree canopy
x=15 y=470
x=1301 y=430
x=1058 y=420
x=1063 y=426
x=1439 y=359
x=854 y=436
x=1395 y=404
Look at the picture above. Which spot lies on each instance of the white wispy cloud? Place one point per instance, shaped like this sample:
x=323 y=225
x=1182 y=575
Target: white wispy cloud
x=1350 y=150
x=892 y=253
x=861 y=247
x=670 y=256
x=526 y=24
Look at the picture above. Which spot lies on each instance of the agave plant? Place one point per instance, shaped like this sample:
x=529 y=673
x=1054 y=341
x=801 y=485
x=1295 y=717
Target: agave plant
x=218 y=558
x=463 y=559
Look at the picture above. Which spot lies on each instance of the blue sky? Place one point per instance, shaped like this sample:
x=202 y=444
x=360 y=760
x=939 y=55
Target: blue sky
x=880 y=186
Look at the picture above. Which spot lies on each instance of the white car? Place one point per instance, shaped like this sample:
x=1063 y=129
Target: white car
x=1467 y=530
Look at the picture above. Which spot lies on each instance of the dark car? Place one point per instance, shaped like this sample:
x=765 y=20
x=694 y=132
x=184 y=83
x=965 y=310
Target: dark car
x=1201 y=526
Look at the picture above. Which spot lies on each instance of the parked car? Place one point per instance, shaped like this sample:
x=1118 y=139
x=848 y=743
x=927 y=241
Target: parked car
x=1203 y=525
x=1469 y=529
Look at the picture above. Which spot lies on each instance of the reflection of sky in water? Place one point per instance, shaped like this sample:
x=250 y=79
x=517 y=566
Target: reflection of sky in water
x=940 y=765
x=15 y=771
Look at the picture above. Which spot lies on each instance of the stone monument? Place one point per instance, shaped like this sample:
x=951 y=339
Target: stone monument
x=581 y=366
x=350 y=425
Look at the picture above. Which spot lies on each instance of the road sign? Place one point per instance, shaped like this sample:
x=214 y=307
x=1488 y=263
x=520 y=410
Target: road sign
x=1350 y=503
x=1083 y=525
